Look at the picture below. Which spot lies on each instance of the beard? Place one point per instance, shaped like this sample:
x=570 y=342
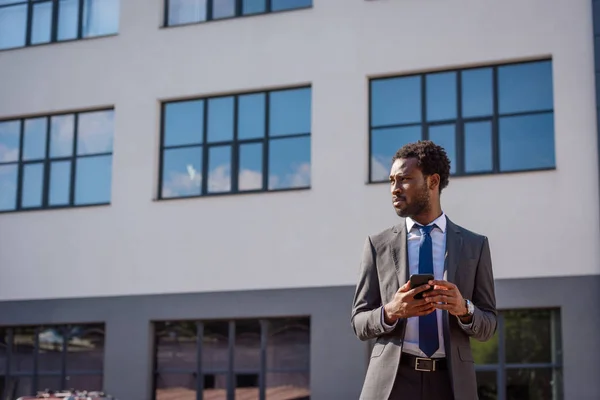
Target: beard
x=418 y=205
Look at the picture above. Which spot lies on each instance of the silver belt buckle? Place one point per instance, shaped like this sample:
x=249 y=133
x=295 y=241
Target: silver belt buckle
x=424 y=364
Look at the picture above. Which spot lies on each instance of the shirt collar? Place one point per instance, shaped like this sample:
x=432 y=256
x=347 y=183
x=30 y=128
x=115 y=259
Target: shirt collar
x=440 y=222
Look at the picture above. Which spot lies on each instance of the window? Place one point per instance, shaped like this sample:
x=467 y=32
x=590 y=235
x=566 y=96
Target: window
x=489 y=119
x=33 y=22
x=56 y=161
x=180 y=12
x=245 y=143
x=226 y=359
x=35 y=358
x=523 y=359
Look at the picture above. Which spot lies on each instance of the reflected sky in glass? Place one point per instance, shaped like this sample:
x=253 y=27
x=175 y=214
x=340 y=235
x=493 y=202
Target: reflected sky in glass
x=250 y=167
x=184 y=123
x=220 y=119
x=68 y=17
x=280 y=5
x=33 y=184
x=478 y=147
x=100 y=17
x=34 y=139
x=527 y=142
x=254 y=6
x=182 y=172
x=251 y=116
x=396 y=101
x=62 y=128
x=525 y=87
x=41 y=23
x=223 y=9
x=290 y=112
x=441 y=96
x=13 y=26
x=289 y=163
x=384 y=144
x=93 y=180
x=95 y=132
x=10 y=132
x=60 y=183
x=219 y=169
x=8 y=187
x=445 y=136
x=186 y=11
x=477 y=92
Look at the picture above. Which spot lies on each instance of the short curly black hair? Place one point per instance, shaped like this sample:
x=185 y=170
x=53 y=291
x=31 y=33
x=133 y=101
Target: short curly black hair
x=431 y=158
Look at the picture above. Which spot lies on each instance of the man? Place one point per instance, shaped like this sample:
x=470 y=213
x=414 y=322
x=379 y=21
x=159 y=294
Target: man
x=422 y=349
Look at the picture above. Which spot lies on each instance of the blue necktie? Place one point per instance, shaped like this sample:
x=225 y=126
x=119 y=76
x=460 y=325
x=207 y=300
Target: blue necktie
x=428 y=329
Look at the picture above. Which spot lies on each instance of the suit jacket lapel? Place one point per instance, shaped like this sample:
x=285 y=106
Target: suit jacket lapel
x=399 y=252
x=453 y=248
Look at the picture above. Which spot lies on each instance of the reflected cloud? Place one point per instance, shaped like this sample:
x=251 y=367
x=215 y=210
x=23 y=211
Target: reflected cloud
x=300 y=177
x=250 y=180
x=61 y=136
x=95 y=132
x=9 y=141
x=219 y=179
x=379 y=170
x=182 y=184
x=8 y=154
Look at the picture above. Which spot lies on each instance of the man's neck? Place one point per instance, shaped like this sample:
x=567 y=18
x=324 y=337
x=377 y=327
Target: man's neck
x=428 y=217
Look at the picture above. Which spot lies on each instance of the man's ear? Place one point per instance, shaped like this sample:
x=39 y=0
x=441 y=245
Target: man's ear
x=433 y=181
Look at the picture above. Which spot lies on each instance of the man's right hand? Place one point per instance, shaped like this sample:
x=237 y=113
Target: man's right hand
x=404 y=305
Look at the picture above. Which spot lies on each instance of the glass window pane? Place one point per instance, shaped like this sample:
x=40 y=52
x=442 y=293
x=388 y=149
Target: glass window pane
x=445 y=136
x=4 y=345
x=184 y=123
x=289 y=112
x=10 y=133
x=33 y=185
x=8 y=187
x=61 y=135
x=384 y=144
x=478 y=147
x=220 y=119
x=289 y=163
x=254 y=6
x=215 y=347
x=23 y=349
x=527 y=142
x=219 y=169
x=89 y=382
x=441 y=96
x=100 y=17
x=477 y=92
x=49 y=382
x=51 y=339
x=5 y=2
x=68 y=17
x=251 y=116
x=525 y=87
x=485 y=353
x=23 y=386
x=41 y=23
x=60 y=183
x=186 y=11
x=247 y=348
x=176 y=386
x=182 y=172
x=288 y=385
x=93 y=180
x=528 y=336
x=279 y=5
x=396 y=101
x=34 y=139
x=487 y=387
x=223 y=9
x=530 y=384
x=176 y=345
x=95 y=132
x=288 y=344
x=85 y=349
x=250 y=174
x=13 y=26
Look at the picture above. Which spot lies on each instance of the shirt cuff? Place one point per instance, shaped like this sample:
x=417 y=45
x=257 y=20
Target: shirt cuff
x=386 y=327
x=466 y=326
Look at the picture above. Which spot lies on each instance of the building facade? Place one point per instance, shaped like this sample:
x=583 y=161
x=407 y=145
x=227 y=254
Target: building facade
x=196 y=179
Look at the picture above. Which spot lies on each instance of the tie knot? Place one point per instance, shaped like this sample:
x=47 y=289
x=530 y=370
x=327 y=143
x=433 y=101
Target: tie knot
x=426 y=230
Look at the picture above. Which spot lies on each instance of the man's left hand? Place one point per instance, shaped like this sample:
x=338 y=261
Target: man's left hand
x=446 y=296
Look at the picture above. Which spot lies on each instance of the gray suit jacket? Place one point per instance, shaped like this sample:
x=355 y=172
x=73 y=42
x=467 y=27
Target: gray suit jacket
x=384 y=269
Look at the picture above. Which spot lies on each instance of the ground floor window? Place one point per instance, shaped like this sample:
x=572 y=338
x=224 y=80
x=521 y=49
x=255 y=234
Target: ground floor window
x=266 y=359
x=523 y=361
x=55 y=357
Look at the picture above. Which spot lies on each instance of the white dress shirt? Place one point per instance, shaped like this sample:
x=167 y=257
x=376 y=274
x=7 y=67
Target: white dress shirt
x=438 y=241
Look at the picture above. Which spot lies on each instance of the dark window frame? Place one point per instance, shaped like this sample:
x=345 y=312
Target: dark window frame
x=238 y=12
x=231 y=372
x=54 y=24
x=48 y=160
x=234 y=143
x=459 y=121
x=63 y=373
x=501 y=367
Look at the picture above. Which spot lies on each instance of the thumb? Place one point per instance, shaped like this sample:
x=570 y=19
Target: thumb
x=405 y=288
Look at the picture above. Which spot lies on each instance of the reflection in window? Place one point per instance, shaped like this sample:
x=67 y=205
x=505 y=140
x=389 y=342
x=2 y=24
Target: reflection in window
x=489 y=119
x=243 y=143
x=181 y=12
x=56 y=161
x=523 y=359
x=254 y=359
x=34 y=22
x=55 y=357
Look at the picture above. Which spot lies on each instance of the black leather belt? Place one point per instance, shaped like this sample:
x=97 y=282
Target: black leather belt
x=423 y=364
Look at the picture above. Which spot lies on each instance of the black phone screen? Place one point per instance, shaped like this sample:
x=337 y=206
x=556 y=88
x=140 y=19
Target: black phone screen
x=417 y=280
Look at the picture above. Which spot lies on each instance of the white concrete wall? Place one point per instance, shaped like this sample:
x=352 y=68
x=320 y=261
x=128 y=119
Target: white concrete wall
x=539 y=224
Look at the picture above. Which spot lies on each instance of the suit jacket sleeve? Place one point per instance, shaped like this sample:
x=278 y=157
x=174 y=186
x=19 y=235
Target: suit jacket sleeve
x=367 y=306
x=485 y=315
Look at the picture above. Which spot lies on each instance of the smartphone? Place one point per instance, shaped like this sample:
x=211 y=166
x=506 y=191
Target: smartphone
x=420 y=280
